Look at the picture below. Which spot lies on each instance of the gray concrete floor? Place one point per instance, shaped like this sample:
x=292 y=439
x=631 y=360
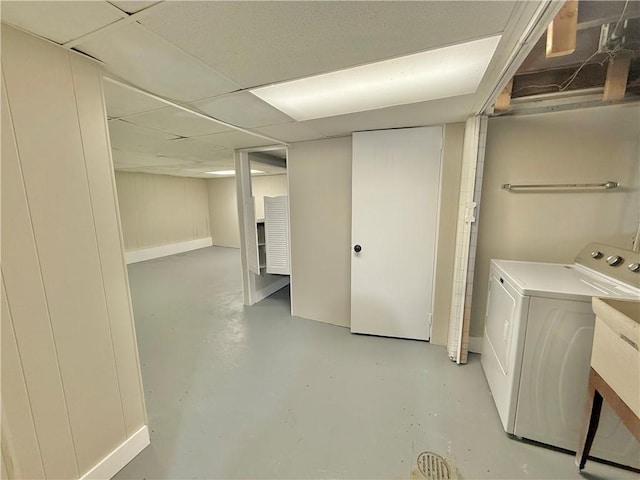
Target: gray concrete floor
x=252 y=392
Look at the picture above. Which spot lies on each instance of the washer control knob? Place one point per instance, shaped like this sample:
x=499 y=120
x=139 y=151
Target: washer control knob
x=615 y=260
x=596 y=254
x=634 y=267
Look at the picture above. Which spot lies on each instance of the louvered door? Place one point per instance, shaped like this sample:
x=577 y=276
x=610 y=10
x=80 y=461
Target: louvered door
x=276 y=223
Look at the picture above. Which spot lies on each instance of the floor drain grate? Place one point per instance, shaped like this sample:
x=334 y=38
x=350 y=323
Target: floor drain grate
x=435 y=467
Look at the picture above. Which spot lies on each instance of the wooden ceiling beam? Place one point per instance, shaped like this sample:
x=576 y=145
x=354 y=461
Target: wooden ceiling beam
x=615 y=86
x=504 y=98
x=561 y=33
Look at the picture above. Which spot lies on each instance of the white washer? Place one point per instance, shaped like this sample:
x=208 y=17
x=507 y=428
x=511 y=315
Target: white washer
x=537 y=347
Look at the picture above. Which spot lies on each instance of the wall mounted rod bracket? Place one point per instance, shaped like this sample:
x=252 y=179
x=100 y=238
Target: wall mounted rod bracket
x=606 y=186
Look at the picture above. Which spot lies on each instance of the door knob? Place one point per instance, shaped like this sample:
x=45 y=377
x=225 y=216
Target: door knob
x=357 y=248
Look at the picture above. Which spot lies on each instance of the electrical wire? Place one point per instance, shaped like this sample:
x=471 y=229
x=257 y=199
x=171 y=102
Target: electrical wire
x=567 y=83
x=610 y=56
x=615 y=29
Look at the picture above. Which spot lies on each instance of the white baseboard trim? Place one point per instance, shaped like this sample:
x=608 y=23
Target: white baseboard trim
x=116 y=460
x=272 y=288
x=142 y=254
x=475 y=344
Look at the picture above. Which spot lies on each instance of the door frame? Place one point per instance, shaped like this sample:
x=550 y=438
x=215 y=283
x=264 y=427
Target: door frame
x=243 y=191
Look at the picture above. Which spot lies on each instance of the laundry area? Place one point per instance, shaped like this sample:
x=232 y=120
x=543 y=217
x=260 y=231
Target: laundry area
x=320 y=239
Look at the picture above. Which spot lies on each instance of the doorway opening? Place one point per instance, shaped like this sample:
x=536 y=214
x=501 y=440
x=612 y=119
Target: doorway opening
x=263 y=213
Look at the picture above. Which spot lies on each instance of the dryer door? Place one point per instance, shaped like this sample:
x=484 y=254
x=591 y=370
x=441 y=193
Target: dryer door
x=502 y=353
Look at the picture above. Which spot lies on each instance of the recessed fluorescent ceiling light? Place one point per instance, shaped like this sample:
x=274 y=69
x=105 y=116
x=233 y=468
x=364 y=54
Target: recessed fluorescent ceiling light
x=230 y=172
x=444 y=72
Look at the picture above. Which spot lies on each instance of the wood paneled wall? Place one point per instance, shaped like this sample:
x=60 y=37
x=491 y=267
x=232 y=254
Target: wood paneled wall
x=161 y=209
x=71 y=385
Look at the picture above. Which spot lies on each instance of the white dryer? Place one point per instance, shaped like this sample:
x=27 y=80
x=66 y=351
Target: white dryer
x=537 y=346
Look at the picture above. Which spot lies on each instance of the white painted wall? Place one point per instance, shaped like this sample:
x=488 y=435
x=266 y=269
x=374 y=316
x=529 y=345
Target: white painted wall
x=588 y=145
x=320 y=201
x=223 y=207
x=161 y=210
x=71 y=388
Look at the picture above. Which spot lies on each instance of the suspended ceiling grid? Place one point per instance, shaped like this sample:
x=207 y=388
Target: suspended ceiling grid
x=207 y=55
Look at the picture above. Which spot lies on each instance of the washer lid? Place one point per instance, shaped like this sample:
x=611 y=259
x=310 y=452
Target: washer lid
x=562 y=281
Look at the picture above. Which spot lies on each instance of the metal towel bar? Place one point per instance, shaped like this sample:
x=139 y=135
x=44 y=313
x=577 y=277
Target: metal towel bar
x=605 y=186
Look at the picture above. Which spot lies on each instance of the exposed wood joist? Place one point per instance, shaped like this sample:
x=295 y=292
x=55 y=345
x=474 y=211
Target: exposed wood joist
x=586 y=44
x=534 y=29
x=561 y=33
x=504 y=99
x=615 y=85
x=577 y=80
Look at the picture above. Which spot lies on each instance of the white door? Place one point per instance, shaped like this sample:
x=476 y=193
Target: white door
x=395 y=196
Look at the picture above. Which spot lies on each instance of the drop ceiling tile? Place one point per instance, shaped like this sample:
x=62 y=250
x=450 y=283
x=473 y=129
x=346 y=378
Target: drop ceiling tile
x=434 y=112
x=190 y=149
x=242 y=109
x=123 y=158
x=166 y=165
x=192 y=173
x=227 y=163
x=123 y=101
x=153 y=64
x=202 y=170
x=149 y=170
x=257 y=43
x=127 y=136
x=222 y=164
x=222 y=157
x=137 y=162
x=177 y=122
x=132 y=6
x=60 y=21
x=176 y=171
x=235 y=140
x=291 y=132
